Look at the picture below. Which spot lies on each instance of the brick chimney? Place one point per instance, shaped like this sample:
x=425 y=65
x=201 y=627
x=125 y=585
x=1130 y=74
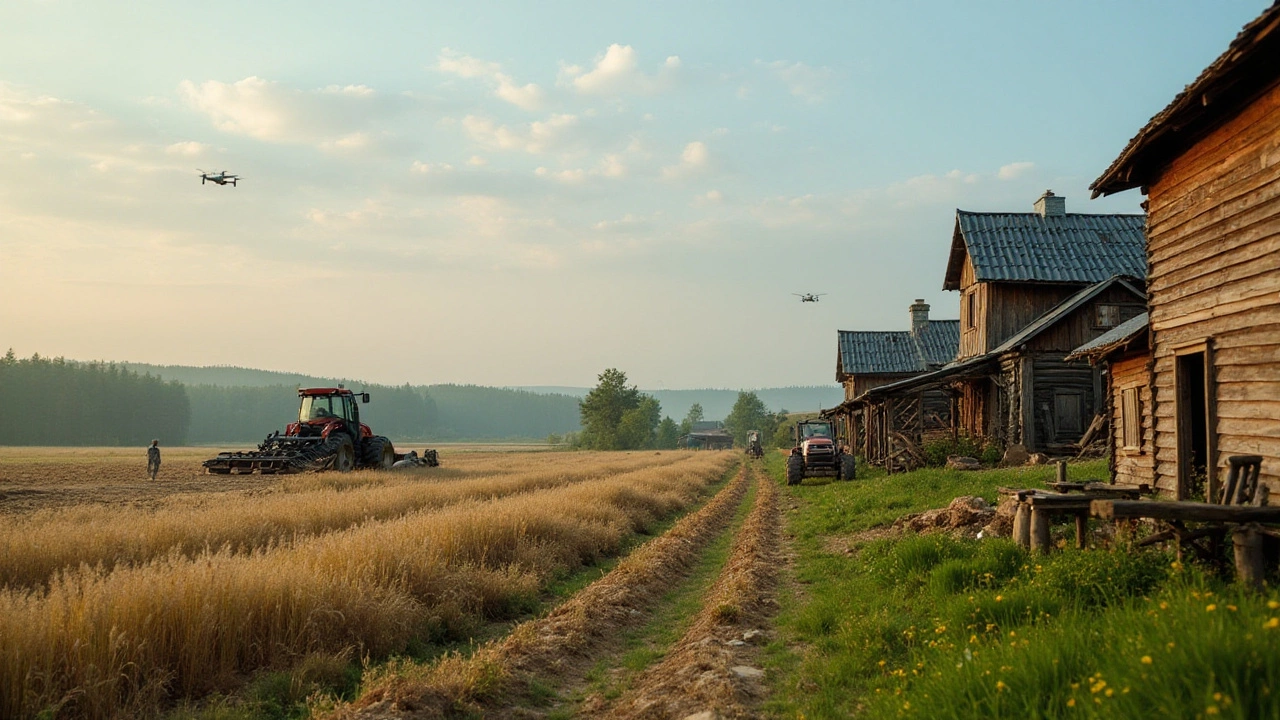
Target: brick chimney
x=1050 y=205
x=919 y=316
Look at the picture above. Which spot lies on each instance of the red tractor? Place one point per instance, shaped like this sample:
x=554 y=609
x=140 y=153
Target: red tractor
x=816 y=454
x=328 y=435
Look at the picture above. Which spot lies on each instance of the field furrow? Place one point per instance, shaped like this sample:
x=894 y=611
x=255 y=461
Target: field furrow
x=36 y=546
x=712 y=667
x=106 y=644
x=501 y=673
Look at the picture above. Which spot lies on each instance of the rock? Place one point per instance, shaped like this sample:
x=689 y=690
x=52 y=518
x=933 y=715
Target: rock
x=752 y=636
x=704 y=715
x=968 y=510
x=747 y=672
x=1015 y=455
x=963 y=462
x=1038 y=459
x=735 y=643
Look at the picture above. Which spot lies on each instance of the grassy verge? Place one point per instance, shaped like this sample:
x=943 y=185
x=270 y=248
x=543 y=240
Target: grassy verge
x=938 y=627
x=675 y=612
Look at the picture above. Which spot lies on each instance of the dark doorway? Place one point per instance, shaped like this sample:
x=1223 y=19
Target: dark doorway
x=1192 y=411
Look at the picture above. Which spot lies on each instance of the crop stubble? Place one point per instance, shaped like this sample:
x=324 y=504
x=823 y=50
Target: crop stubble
x=102 y=643
x=555 y=644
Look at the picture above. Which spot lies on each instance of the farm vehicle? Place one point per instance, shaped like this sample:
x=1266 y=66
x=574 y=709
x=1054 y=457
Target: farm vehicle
x=754 y=448
x=327 y=435
x=816 y=454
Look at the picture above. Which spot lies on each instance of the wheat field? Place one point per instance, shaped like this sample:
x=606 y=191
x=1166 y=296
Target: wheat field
x=115 y=610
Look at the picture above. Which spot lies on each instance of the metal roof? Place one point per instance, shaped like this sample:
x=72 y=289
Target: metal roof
x=898 y=351
x=1026 y=247
x=1116 y=336
x=1235 y=79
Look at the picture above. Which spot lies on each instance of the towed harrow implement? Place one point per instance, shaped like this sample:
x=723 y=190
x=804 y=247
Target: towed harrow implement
x=279 y=454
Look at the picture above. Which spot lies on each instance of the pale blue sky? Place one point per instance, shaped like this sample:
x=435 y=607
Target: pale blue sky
x=512 y=194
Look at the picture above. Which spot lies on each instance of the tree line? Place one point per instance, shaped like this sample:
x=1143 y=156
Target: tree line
x=54 y=401
x=615 y=416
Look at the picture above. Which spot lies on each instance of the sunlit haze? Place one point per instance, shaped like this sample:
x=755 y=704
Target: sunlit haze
x=529 y=193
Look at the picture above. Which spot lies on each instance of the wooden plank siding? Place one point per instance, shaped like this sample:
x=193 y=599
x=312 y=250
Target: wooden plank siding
x=1132 y=464
x=1214 y=257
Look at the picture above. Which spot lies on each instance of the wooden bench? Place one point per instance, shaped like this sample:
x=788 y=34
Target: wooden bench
x=1241 y=510
x=1036 y=509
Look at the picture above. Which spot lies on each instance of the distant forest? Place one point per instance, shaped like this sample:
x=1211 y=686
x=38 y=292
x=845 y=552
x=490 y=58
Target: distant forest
x=60 y=402
x=65 y=402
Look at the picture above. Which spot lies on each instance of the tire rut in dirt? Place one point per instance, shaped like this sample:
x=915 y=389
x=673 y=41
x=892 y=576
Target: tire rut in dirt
x=713 y=666
x=562 y=644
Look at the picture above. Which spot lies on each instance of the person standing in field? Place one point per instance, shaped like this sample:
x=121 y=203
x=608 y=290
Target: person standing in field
x=153 y=459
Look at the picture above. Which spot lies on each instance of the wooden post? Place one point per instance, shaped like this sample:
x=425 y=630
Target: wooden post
x=1022 y=525
x=1039 y=531
x=1082 y=529
x=1062 y=471
x=1027 y=404
x=1250 y=560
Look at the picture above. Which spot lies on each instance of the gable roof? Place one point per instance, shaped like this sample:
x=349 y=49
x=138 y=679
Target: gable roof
x=897 y=351
x=1026 y=247
x=980 y=364
x=1247 y=69
x=1061 y=311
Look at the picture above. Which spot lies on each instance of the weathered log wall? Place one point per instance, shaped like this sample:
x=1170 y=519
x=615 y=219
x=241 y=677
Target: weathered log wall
x=1132 y=464
x=1214 y=257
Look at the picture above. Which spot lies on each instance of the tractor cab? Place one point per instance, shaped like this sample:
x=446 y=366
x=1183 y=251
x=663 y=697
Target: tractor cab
x=323 y=410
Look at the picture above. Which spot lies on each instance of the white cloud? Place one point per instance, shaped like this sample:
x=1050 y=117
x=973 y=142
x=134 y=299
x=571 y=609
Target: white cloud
x=710 y=197
x=1014 y=170
x=189 y=148
x=613 y=167
x=568 y=177
x=618 y=72
x=273 y=112
x=477 y=161
x=526 y=97
x=423 y=168
x=694 y=159
x=803 y=81
x=534 y=138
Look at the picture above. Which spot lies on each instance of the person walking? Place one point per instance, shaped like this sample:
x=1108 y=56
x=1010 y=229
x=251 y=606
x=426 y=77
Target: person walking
x=153 y=459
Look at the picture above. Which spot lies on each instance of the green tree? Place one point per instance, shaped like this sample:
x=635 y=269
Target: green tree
x=668 y=434
x=749 y=413
x=694 y=416
x=603 y=408
x=639 y=425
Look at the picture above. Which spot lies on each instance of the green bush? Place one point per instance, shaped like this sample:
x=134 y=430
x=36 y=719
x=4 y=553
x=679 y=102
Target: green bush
x=937 y=452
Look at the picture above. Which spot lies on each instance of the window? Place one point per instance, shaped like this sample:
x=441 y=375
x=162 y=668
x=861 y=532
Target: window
x=1131 y=419
x=1106 y=316
x=970 y=314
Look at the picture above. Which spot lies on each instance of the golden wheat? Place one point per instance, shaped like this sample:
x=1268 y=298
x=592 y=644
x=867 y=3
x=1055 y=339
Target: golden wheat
x=105 y=643
x=33 y=548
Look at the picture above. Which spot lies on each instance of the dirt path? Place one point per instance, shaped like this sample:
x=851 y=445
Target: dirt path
x=506 y=677
x=712 y=669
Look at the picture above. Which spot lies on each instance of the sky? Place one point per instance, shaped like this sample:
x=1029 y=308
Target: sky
x=506 y=193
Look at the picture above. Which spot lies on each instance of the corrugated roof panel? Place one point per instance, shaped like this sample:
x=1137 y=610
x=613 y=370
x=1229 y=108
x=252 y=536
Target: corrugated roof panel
x=898 y=351
x=1072 y=248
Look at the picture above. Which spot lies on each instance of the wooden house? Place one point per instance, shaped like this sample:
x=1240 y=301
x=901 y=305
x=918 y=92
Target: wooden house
x=1125 y=355
x=870 y=358
x=1033 y=287
x=1209 y=164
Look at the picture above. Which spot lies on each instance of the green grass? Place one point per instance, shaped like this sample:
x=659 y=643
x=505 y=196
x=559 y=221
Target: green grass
x=937 y=627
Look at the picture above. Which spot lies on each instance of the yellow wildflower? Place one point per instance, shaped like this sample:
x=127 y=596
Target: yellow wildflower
x=1164 y=605
x=1146 y=660
x=1211 y=710
x=1071 y=702
x=1000 y=686
x=1273 y=604
x=999 y=598
x=1210 y=607
x=1271 y=624
x=940 y=629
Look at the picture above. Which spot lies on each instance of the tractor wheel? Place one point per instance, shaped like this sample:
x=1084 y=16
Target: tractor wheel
x=848 y=467
x=344 y=458
x=795 y=469
x=378 y=453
